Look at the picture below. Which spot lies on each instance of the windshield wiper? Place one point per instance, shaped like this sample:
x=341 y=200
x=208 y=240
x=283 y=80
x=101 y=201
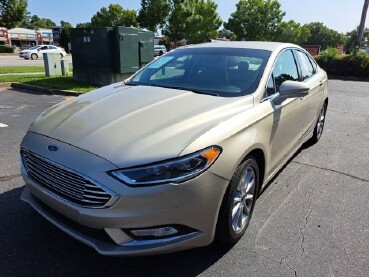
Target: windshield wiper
x=193 y=90
x=172 y=87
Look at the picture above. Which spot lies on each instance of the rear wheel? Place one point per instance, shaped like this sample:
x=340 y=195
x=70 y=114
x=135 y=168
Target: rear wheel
x=318 y=130
x=238 y=202
x=34 y=56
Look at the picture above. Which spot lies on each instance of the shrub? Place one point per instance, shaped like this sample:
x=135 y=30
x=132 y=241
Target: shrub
x=345 y=65
x=6 y=49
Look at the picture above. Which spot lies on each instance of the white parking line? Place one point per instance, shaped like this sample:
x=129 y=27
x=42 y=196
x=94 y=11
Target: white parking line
x=2 y=125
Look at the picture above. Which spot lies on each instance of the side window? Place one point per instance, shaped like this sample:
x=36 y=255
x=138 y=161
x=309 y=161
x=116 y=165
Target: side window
x=270 y=87
x=285 y=69
x=307 y=69
x=315 y=65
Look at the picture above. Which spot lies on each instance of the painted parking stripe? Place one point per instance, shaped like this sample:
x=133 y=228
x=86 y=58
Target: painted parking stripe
x=2 y=125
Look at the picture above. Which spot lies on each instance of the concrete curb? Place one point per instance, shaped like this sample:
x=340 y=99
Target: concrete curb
x=5 y=85
x=44 y=90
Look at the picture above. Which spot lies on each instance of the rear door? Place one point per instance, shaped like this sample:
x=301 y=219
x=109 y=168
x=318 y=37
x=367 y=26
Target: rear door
x=311 y=77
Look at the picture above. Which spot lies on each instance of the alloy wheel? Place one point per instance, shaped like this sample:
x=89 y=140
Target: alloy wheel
x=243 y=200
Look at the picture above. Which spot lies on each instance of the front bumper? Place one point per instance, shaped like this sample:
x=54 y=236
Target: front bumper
x=194 y=204
x=24 y=55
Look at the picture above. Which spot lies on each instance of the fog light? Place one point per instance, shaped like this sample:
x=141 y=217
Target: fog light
x=157 y=232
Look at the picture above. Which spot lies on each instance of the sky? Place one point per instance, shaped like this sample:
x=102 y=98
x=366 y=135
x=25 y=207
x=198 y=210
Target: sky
x=340 y=15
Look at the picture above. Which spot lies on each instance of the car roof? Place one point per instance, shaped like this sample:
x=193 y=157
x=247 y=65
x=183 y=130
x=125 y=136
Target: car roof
x=262 y=45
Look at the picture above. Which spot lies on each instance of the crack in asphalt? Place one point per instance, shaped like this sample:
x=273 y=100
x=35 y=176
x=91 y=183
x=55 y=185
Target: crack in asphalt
x=306 y=222
x=282 y=261
x=333 y=170
x=8 y=178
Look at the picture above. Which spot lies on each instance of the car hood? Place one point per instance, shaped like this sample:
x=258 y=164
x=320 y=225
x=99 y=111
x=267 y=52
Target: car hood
x=132 y=125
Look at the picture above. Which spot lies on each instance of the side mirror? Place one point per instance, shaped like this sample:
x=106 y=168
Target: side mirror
x=293 y=89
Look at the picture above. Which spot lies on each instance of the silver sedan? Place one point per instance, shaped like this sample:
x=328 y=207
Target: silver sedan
x=175 y=156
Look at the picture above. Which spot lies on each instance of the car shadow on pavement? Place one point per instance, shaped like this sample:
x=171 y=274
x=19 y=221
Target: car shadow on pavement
x=29 y=245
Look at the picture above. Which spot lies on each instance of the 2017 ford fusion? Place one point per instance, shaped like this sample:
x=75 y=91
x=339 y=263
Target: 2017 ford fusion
x=176 y=155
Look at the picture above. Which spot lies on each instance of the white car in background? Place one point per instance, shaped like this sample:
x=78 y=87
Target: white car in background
x=37 y=51
x=159 y=50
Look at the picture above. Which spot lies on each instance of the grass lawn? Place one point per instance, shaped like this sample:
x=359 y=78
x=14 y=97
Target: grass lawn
x=62 y=83
x=23 y=69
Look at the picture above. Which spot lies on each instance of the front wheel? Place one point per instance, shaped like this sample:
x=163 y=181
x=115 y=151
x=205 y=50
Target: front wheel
x=238 y=202
x=319 y=126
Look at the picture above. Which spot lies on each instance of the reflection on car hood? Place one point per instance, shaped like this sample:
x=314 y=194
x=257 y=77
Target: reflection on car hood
x=135 y=125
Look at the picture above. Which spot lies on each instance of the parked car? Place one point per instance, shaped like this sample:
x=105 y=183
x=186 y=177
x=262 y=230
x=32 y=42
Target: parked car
x=159 y=50
x=176 y=155
x=37 y=51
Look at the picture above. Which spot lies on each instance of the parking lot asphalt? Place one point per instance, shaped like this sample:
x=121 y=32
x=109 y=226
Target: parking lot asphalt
x=14 y=60
x=312 y=219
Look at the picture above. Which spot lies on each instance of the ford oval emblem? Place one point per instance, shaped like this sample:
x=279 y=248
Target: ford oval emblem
x=52 y=148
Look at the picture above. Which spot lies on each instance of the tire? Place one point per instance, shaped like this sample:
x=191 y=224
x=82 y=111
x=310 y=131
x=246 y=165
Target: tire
x=34 y=56
x=238 y=203
x=161 y=53
x=319 y=126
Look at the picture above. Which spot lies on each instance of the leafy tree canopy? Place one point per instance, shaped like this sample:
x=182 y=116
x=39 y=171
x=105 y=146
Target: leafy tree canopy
x=12 y=12
x=35 y=22
x=65 y=24
x=351 y=39
x=153 y=14
x=292 y=32
x=323 y=36
x=114 y=15
x=255 y=19
x=194 y=20
x=84 y=25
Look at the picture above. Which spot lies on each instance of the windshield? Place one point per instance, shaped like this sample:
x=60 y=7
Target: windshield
x=227 y=72
x=34 y=47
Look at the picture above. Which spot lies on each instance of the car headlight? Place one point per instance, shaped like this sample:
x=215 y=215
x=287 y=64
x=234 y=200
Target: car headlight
x=171 y=171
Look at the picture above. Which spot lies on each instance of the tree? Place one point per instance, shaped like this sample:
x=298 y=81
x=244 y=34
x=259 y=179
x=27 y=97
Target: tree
x=65 y=34
x=65 y=24
x=12 y=12
x=193 y=20
x=255 y=19
x=84 y=25
x=292 y=32
x=224 y=33
x=323 y=36
x=351 y=39
x=153 y=14
x=35 y=22
x=114 y=15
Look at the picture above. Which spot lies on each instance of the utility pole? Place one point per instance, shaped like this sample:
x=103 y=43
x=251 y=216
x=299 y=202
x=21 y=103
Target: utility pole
x=360 y=32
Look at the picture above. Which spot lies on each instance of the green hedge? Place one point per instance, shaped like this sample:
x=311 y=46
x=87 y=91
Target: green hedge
x=345 y=65
x=6 y=49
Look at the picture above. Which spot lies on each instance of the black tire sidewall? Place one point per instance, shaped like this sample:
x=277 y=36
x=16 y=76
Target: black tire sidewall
x=225 y=231
x=34 y=56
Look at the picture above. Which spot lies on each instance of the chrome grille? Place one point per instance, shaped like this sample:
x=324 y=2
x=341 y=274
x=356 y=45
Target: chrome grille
x=64 y=182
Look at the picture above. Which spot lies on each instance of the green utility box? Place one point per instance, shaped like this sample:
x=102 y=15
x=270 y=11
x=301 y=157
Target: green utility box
x=52 y=64
x=108 y=55
x=64 y=67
